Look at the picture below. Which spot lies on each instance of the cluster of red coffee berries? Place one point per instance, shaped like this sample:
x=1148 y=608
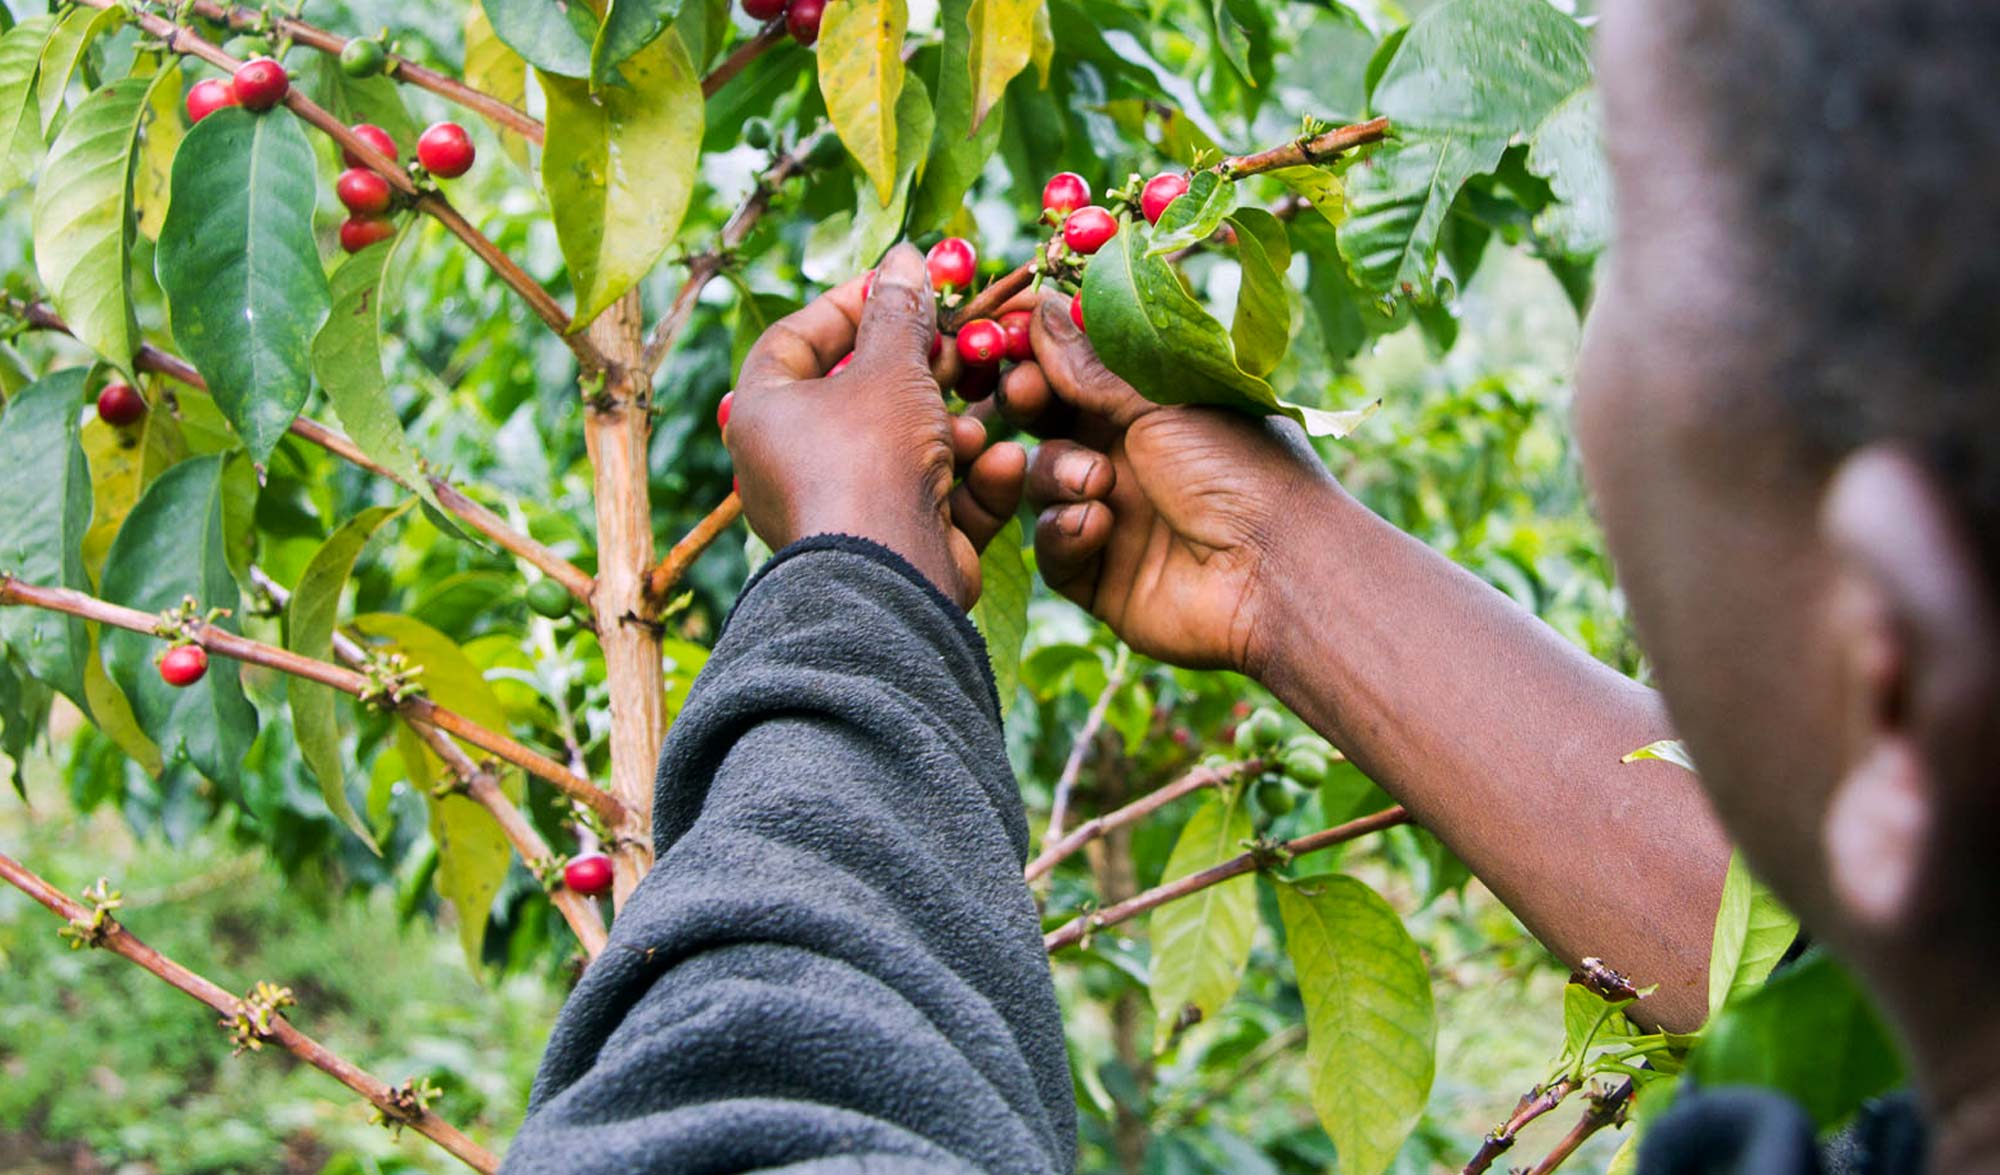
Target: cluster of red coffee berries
x=258 y=84
x=1084 y=228
x=801 y=16
x=443 y=150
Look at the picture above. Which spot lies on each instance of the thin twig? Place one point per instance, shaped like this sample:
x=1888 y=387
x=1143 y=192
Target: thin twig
x=1076 y=930
x=987 y=302
x=1085 y=736
x=1302 y=152
x=743 y=55
x=113 y=937
x=1605 y=1110
x=240 y=648
x=668 y=571
x=1096 y=826
x=1532 y=1105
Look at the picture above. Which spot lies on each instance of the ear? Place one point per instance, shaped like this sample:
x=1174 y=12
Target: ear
x=1913 y=619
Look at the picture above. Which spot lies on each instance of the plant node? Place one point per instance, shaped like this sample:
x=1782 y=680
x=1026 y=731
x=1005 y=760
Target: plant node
x=250 y=1024
x=92 y=931
x=408 y=1103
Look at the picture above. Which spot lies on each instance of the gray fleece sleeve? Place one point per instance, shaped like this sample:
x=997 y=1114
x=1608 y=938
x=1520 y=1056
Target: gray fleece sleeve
x=835 y=964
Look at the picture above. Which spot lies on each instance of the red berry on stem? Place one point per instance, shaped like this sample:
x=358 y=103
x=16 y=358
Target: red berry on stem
x=261 y=83
x=1087 y=229
x=364 y=192
x=952 y=263
x=1065 y=193
x=375 y=137
x=722 y=411
x=1076 y=313
x=1014 y=324
x=183 y=665
x=977 y=383
x=802 y=20
x=1160 y=191
x=763 y=9
x=119 y=405
x=445 y=150
x=844 y=362
x=589 y=874
x=981 y=343
x=208 y=96
x=359 y=232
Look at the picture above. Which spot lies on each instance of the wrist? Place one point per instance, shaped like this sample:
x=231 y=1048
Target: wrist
x=1291 y=576
x=920 y=541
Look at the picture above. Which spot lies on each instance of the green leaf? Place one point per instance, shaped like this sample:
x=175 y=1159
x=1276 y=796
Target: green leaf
x=1002 y=611
x=1567 y=149
x=309 y=625
x=171 y=547
x=161 y=135
x=377 y=99
x=958 y=150
x=1810 y=1033
x=492 y=67
x=347 y=359
x=44 y=514
x=1667 y=750
x=122 y=465
x=64 y=53
x=861 y=77
x=1202 y=942
x=1320 y=187
x=83 y=220
x=241 y=268
x=21 y=140
x=1042 y=44
x=1003 y=33
x=554 y=36
x=1371 y=1029
x=629 y=26
x=874 y=227
x=1752 y=933
x=619 y=169
x=24 y=714
x=1263 y=326
x=449 y=677
x=1195 y=215
x=111 y=712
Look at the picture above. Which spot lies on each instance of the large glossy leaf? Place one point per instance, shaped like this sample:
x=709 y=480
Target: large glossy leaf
x=64 y=53
x=123 y=462
x=554 y=36
x=1262 y=329
x=171 y=547
x=44 y=514
x=1810 y=1033
x=958 y=152
x=876 y=227
x=619 y=168
x=1752 y=933
x=629 y=26
x=309 y=625
x=160 y=141
x=1371 y=1029
x=83 y=217
x=1201 y=943
x=1002 y=611
x=861 y=76
x=492 y=67
x=1195 y=216
x=1003 y=34
x=21 y=139
x=241 y=268
x=1567 y=149
x=347 y=359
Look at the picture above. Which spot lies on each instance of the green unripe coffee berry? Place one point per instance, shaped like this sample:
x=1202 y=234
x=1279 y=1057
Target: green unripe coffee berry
x=549 y=598
x=757 y=133
x=247 y=45
x=363 y=58
x=1259 y=732
x=826 y=150
x=1306 y=764
x=1274 y=796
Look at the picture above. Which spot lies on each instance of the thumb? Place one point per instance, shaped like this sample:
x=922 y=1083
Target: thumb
x=900 y=318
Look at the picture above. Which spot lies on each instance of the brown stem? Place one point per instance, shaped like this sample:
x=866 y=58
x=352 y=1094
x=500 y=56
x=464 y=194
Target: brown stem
x=987 y=302
x=119 y=941
x=668 y=572
x=1073 y=766
x=1607 y=1110
x=228 y=644
x=1532 y=1105
x=1074 y=931
x=1097 y=826
x=743 y=55
x=400 y=68
x=1302 y=152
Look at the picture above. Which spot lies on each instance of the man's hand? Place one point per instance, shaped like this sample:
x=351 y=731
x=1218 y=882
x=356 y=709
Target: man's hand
x=871 y=451
x=1167 y=523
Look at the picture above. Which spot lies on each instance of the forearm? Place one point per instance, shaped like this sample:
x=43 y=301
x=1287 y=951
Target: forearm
x=1504 y=740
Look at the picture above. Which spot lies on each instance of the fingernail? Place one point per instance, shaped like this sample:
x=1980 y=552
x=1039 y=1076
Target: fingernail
x=1074 y=472
x=1072 y=518
x=904 y=266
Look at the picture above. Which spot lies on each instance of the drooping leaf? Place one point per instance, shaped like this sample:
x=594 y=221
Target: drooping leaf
x=1042 y=44
x=554 y=36
x=860 y=53
x=160 y=140
x=24 y=714
x=492 y=67
x=123 y=462
x=1752 y=933
x=629 y=26
x=1003 y=33
x=44 y=514
x=1371 y=1028
x=309 y=625
x=1320 y=187
x=241 y=268
x=1567 y=149
x=1231 y=38
x=111 y=712
x=1195 y=216
x=83 y=219
x=21 y=140
x=958 y=152
x=64 y=52
x=472 y=852
x=619 y=168
x=1201 y=943
x=170 y=548
x=875 y=228
x=1263 y=326
x=1002 y=610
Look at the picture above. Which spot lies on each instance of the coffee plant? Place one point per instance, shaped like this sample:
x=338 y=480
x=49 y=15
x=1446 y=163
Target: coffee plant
x=369 y=360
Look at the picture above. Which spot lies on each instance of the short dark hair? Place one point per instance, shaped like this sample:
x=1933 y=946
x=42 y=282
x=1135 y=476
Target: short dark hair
x=1863 y=140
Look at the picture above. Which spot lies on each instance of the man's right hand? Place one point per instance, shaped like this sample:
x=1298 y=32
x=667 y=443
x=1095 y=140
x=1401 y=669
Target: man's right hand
x=1168 y=523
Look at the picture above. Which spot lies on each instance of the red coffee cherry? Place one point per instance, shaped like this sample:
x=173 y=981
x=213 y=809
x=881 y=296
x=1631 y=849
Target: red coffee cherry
x=722 y=411
x=763 y=9
x=1087 y=229
x=364 y=192
x=1064 y=194
x=981 y=343
x=802 y=20
x=375 y=137
x=119 y=405
x=445 y=150
x=1014 y=324
x=589 y=874
x=183 y=665
x=1076 y=313
x=846 y=361
x=1160 y=191
x=977 y=383
x=208 y=96
x=359 y=232
x=261 y=83
x=952 y=263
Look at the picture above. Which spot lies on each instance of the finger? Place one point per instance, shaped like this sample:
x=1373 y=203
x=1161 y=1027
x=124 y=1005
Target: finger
x=968 y=440
x=1063 y=471
x=807 y=342
x=1073 y=371
x=1069 y=547
x=900 y=316
x=947 y=367
x=986 y=500
x=1029 y=404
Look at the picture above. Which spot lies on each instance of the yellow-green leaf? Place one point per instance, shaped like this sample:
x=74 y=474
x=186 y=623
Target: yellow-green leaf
x=1042 y=46
x=1003 y=34
x=619 y=169
x=152 y=177
x=21 y=139
x=1006 y=585
x=492 y=67
x=121 y=467
x=1201 y=943
x=861 y=76
x=64 y=52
